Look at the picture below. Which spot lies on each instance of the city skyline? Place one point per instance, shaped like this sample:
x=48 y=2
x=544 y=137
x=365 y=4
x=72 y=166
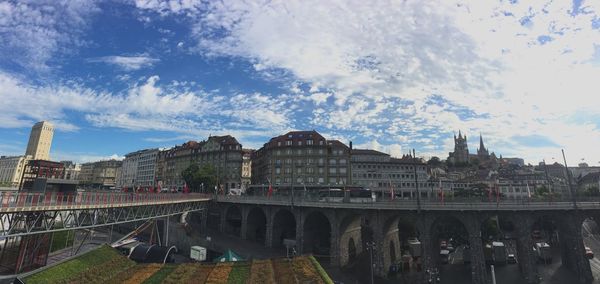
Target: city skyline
x=116 y=77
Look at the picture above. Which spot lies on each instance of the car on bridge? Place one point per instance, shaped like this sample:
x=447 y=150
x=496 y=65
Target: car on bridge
x=589 y=253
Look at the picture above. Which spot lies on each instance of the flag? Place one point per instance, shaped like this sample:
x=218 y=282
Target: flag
x=441 y=192
x=270 y=192
x=528 y=191
x=186 y=189
x=497 y=193
x=151 y=189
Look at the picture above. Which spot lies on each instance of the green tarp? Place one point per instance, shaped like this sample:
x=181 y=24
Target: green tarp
x=229 y=255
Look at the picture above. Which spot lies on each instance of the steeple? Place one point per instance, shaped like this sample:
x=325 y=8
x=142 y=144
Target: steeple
x=481 y=146
x=459 y=134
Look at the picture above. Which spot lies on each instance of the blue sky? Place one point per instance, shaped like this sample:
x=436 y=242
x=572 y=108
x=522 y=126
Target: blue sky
x=118 y=76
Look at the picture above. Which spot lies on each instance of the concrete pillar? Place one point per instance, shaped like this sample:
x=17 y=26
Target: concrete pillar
x=300 y=217
x=525 y=255
x=429 y=250
x=378 y=253
x=223 y=219
x=570 y=235
x=204 y=221
x=334 y=247
x=244 y=226
x=269 y=229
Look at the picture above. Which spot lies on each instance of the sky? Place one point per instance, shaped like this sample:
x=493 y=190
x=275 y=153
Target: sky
x=119 y=76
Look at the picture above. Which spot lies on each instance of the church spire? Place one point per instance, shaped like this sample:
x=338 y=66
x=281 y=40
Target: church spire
x=459 y=134
x=481 y=146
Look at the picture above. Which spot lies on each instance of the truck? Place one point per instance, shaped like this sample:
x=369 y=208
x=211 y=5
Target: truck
x=543 y=252
x=499 y=252
x=444 y=256
x=488 y=254
x=414 y=246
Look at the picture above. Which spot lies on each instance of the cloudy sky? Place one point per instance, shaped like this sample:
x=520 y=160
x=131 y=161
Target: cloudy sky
x=118 y=76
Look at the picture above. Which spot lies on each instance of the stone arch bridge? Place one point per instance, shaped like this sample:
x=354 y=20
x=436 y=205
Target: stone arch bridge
x=339 y=229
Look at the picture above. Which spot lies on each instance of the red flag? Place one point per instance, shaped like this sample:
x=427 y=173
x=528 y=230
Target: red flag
x=186 y=189
x=151 y=189
x=270 y=192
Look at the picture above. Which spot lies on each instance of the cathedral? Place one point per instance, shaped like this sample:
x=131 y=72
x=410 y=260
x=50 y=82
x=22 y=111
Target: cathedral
x=461 y=155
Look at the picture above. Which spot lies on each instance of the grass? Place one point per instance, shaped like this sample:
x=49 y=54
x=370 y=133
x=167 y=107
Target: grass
x=320 y=270
x=282 y=269
x=161 y=274
x=70 y=270
x=239 y=273
x=60 y=240
x=220 y=274
x=261 y=272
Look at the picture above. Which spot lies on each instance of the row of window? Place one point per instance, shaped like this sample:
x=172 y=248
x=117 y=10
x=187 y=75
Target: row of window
x=320 y=170
x=300 y=142
x=377 y=175
x=319 y=161
x=421 y=168
x=311 y=180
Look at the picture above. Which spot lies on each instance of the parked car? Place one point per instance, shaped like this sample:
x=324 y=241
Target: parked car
x=589 y=253
x=511 y=259
x=450 y=247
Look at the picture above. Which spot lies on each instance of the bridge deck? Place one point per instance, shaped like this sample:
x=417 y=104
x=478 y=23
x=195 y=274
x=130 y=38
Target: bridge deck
x=427 y=204
x=30 y=202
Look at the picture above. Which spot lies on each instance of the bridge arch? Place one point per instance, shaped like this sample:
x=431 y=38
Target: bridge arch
x=449 y=229
x=284 y=227
x=317 y=232
x=350 y=229
x=256 y=225
x=233 y=220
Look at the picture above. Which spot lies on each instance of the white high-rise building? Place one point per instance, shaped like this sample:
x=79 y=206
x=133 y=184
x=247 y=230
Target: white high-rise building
x=40 y=141
x=138 y=169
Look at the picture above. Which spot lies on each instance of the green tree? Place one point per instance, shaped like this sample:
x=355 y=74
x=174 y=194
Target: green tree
x=592 y=191
x=434 y=162
x=200 y=178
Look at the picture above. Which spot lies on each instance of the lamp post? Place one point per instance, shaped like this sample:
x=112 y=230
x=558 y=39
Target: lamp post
x=371 y=246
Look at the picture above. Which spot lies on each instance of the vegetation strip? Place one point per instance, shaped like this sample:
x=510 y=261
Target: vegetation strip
x=161 y=274
x=261 y=272
x=144 y=273
x=324 y=276
x=305 y=271
x=239 y=273
x=283 y=271
x=220 y=273
x=71 y=269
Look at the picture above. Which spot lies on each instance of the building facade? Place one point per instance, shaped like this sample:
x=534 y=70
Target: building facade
x=223 y=153
x=101 y=174
x=302 y=158
x=383 y=174
x=11 y=170
x=138 y=169
x=246 y=167
x=72 y=170
x=40 y=141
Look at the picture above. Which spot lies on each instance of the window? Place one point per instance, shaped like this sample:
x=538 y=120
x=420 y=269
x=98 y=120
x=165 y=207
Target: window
x=321 y=161
x=332 y=170
x=277 y=170
x=342 y=170
x=332 y=161
x=321 y=180
x=277 y=162
x=321 y=142
x=300 y=143
x=288 y=170
x=278 y=143
x=278 y=152
x=309 y=142
x=342 y=161
x=321 y=170
x=288 y=161
x=310 y=170
x=321 y=152
x=299 y=152
x=309 y=151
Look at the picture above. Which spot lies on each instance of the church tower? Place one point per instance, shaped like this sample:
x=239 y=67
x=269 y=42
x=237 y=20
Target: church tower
x=482 y=152
x=461 y=149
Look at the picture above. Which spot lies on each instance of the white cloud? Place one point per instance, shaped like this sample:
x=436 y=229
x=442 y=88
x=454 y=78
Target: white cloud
x=490 y=62
x=128 y=63
x=33 y=33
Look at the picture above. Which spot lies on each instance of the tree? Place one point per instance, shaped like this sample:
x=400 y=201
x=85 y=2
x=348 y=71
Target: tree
x=434 y=162
x=200 y=178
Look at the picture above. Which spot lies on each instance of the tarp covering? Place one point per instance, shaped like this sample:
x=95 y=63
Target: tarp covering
x=229 y=255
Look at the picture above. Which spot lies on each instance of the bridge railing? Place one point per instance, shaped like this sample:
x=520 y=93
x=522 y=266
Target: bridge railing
x=89 y=198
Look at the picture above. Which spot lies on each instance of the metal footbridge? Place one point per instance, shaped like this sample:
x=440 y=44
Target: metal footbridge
x=23 y=213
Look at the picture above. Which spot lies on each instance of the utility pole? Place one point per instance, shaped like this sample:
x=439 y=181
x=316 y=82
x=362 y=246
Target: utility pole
x=569 y=180
x=417 y=183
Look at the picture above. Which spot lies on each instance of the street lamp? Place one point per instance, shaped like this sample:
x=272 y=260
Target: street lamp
x=371 y=246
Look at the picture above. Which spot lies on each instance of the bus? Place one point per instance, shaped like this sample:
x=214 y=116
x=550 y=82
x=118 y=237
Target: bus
x=353 y=194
